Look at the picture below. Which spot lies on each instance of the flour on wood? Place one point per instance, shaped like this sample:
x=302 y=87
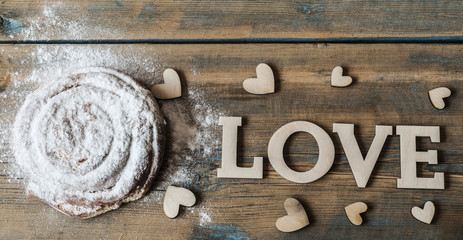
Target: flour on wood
x=52 y=17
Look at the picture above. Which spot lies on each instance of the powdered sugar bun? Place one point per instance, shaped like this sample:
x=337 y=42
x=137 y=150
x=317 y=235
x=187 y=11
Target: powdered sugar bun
x=89 y=142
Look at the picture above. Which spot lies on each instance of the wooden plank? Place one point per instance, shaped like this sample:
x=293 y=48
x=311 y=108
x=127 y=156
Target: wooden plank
x=390 y=87
x=237 y=19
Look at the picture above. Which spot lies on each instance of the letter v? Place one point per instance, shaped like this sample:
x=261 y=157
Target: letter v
x=361 y=168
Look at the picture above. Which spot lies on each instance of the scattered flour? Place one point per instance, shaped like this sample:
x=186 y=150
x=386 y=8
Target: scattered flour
x=50 y=62
x=53 y=23
x=204 y=218
x=192 y=134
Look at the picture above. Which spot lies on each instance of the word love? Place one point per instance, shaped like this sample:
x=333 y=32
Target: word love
x=361 y=167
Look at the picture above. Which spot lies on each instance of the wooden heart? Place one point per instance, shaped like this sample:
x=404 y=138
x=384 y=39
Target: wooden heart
x=263 y=84
x=353 y=212
x=296 y=218
x=171 y=88
x=437 y=96
x=426 y=214
x=338 y=80
x=176 y=196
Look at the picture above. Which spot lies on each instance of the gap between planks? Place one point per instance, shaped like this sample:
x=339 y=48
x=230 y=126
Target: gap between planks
x=382 y=40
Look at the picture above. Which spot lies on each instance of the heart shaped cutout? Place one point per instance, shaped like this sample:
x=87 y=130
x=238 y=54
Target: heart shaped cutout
x=176 y=196
x=437 y=96
x=263 y=84
x=296 y=218
x=338 y=80
x=171 y=88
x=425 y=214
x=353 y=212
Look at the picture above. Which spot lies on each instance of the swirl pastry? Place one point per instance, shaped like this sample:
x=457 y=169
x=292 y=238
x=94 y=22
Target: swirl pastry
x=89 y=142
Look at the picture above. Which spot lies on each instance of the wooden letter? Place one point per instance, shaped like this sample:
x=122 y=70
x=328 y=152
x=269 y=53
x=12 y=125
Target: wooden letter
x=325 y=157
x=409 y=156
x=229 y=148
x=361 y=168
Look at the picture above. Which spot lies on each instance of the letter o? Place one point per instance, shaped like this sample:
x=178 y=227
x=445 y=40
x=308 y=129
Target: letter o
x=325 y=156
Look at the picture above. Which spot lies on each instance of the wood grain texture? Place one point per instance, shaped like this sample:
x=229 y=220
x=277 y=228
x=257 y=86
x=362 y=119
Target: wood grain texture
x=236 y=19
x=390 y=88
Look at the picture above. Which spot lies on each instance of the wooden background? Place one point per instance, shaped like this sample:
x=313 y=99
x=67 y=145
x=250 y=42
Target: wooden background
x=395 y=50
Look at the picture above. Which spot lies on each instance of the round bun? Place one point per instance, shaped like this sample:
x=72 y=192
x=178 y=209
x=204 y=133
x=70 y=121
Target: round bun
x=89 y=142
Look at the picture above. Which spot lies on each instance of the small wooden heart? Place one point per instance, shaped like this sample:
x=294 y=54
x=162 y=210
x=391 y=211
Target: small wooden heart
x=353 y=212
x=176 y=196
x=437 y=96
x=171 y=88
x=338 y=80
x=296 y=218
x=426 y=214
x=263 y=84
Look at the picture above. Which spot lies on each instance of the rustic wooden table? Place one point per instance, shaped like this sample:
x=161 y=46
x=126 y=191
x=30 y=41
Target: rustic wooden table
x=395 y=50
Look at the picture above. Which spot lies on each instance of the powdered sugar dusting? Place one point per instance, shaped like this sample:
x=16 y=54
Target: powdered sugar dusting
x=91 y=137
